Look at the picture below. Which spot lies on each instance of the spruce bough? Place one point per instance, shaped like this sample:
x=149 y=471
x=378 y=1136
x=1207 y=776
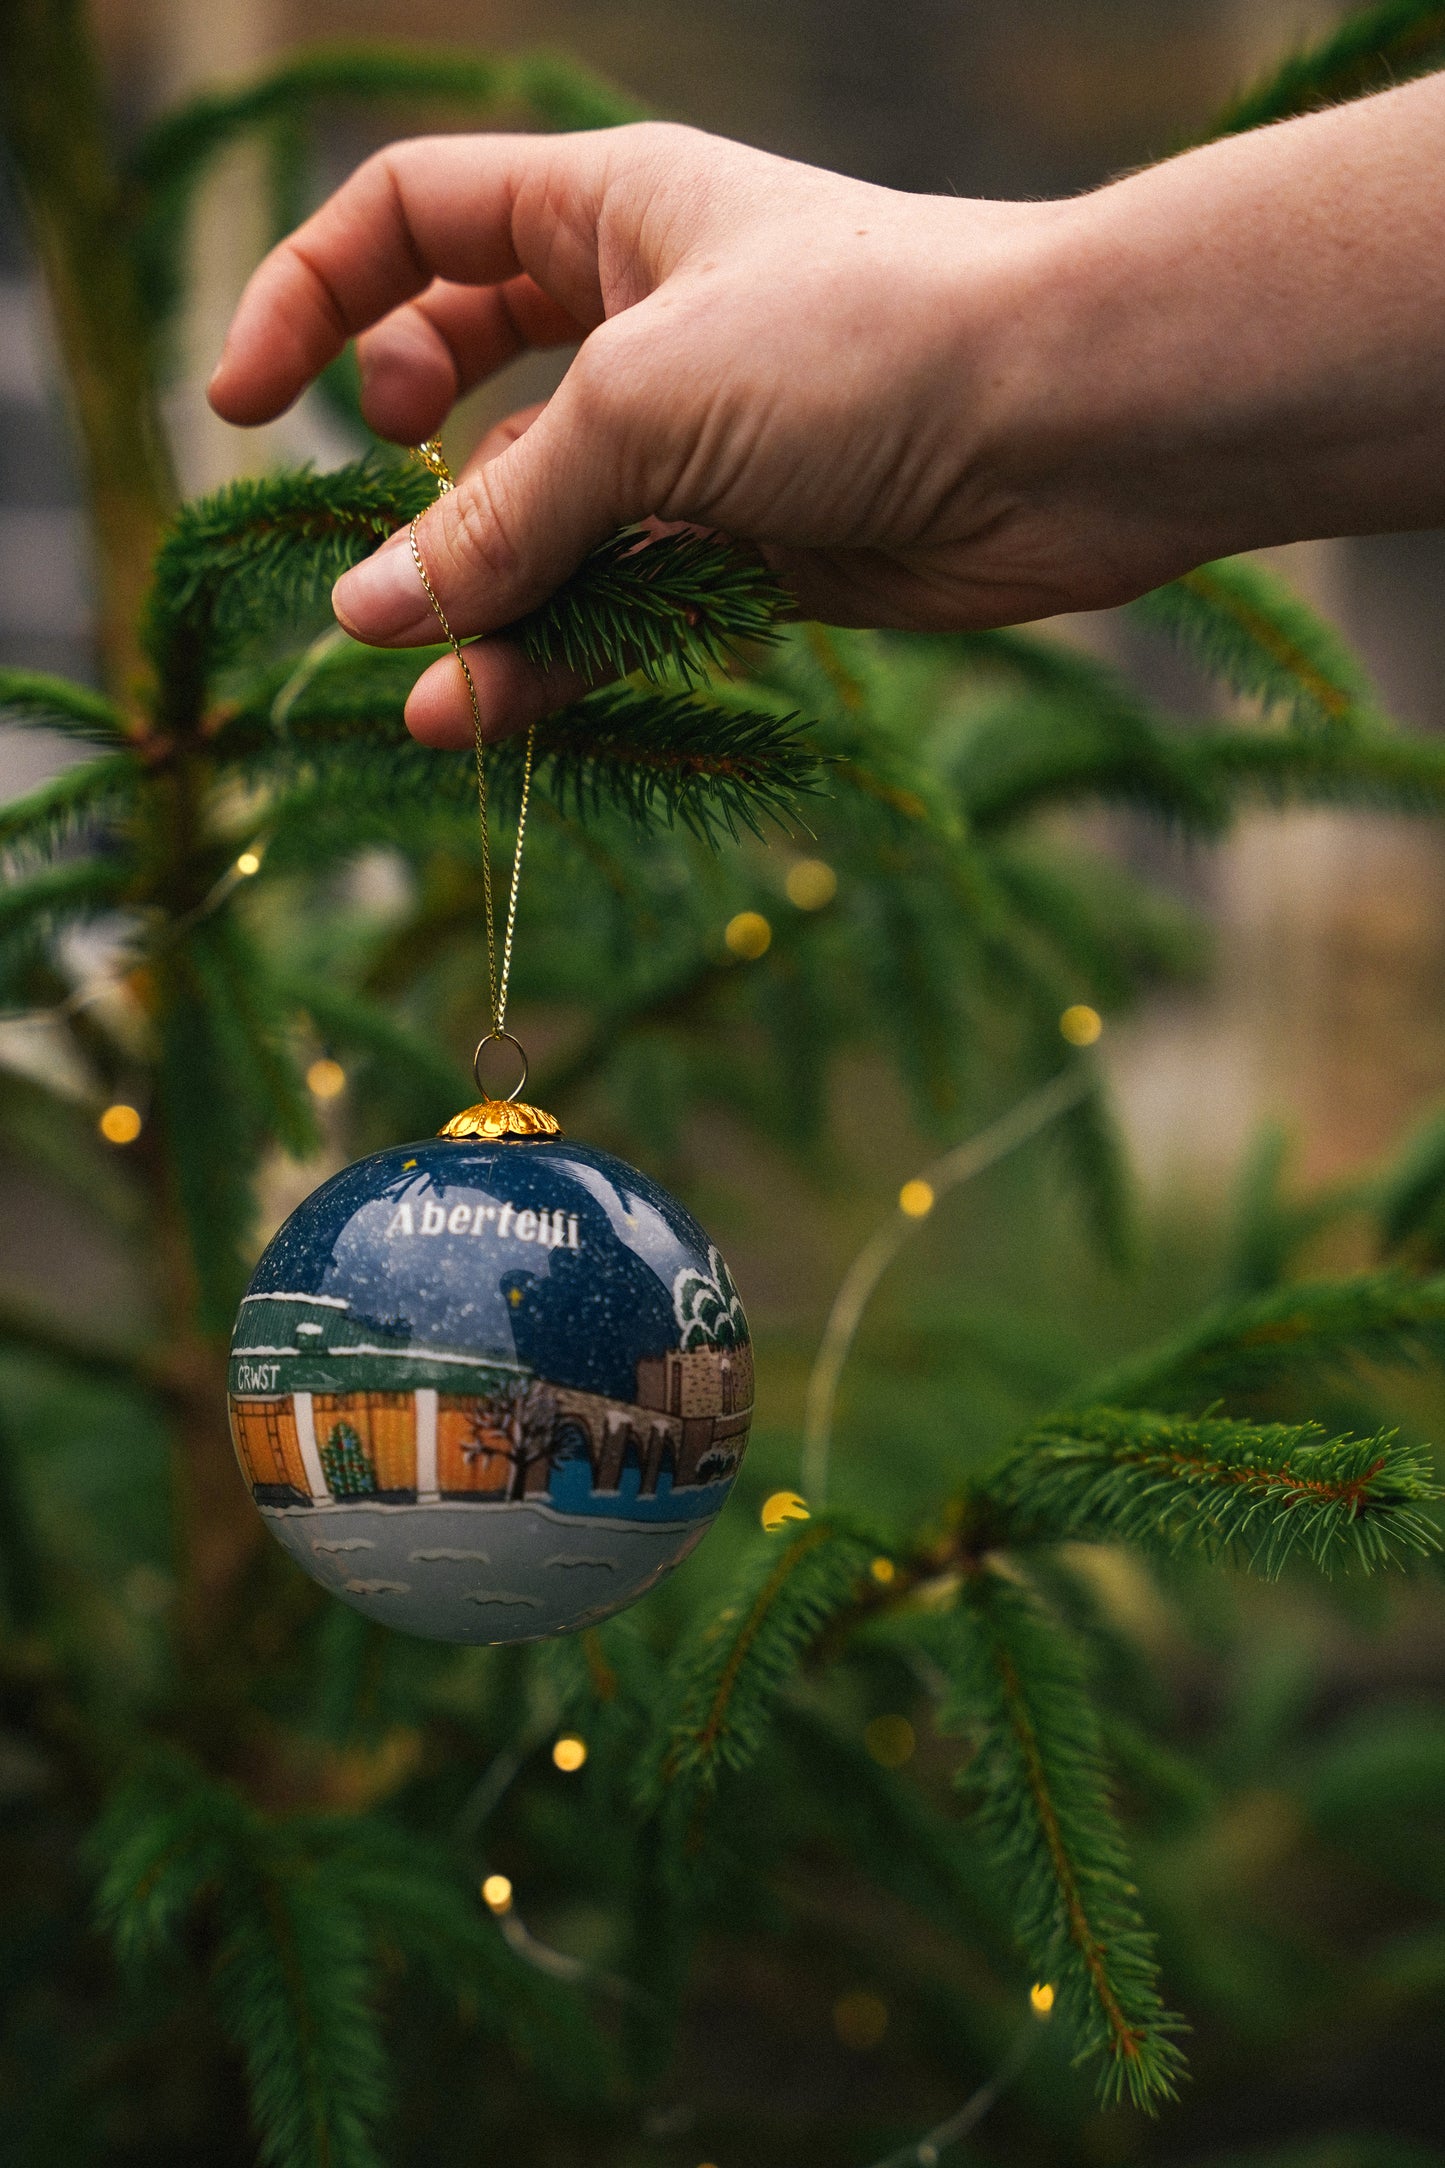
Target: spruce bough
x=284 y=1817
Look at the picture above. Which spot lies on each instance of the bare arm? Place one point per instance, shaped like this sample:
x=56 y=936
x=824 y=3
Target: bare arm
x=927 y=412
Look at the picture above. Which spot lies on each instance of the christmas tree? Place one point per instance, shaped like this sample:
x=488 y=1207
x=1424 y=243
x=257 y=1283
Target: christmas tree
x=914 y=1794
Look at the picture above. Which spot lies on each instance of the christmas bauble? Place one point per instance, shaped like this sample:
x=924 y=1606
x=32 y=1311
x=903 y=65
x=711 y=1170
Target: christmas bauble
x=490 y=1388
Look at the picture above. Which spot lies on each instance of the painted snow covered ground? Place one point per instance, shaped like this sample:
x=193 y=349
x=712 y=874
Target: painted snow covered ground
x=480 y=1573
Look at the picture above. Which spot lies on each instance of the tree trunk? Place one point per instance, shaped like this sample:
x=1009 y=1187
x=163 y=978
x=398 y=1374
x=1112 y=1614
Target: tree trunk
x=53 y=114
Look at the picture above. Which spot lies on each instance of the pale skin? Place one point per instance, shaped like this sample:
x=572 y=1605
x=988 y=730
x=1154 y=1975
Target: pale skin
x=925 y=411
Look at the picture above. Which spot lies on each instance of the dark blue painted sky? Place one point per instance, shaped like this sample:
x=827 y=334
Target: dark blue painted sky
x=582 y=1318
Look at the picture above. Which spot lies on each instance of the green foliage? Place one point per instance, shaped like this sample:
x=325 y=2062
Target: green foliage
x=1042 y=1804
x=685 y=603
x=175 y=153
x=1241 y=1348
x=290 y=1884
x=1372 y=49
x=1257 y=636
x=1259 y=1492
x=723 y=1690
x=37 y=701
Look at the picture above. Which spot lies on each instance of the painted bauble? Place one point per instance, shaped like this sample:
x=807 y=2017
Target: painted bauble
x=490 y=1388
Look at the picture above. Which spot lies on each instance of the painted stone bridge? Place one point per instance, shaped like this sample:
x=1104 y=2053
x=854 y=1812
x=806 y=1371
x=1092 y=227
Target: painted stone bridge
x=326 y=1406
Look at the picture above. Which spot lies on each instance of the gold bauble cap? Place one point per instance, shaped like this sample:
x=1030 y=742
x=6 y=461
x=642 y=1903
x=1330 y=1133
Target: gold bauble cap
x=502 y=1121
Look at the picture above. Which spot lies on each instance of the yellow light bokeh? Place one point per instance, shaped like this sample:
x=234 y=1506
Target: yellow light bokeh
x=890 y=1740
x=497 y=1893
x=569 y=1752
x=748 y=936
x=916 y=1199
x=326 y=1079
x=811 y=884
x=860 y=2020
x=783 y=1505
x=884 y=1572
x=248 y=863
x=1080 y=1024
x=1041 y=1998
x=120 y=1124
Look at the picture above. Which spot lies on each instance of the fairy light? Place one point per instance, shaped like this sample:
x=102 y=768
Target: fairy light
x=860 y=2020
x=890 y=1740
x=569 y=1752
x=783 y=1506
x=1080 y=1024
x=811 y=884
x=884 y=1572
x=916 y=1198
x=248 y=863
x=497 y=1894
x=1041 y=1998
x=120 y=1124
x=326 y=1079
x=748 y=936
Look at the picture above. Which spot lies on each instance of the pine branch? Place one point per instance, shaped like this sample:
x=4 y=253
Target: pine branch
x=1299 y=1332
x=257 y=554
x=1409 y=1195
x=59 y=895
x=292 y=1971
x=1262 y=1493
x=175 y=153
x=1255 y=633
x=1028 y=754
x=211 y=1131
x=724 y=1688
x=1037 y=1782
x=1366 y=769
x=97 y=790
x=662 y=758
x=659 y=759
x=296 y=1989
x=1372 y=49
x=680 y=604
x=252 y=1025
x=347 y=1020
x=33 y=700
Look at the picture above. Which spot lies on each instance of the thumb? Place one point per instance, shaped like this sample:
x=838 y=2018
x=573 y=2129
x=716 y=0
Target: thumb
x=514 y=527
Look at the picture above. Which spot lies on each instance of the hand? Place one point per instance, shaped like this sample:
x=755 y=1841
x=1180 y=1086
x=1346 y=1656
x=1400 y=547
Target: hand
x=766 y=349
x=926 y=412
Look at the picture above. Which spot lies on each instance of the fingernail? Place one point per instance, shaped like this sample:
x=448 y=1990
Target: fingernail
x=382 y=598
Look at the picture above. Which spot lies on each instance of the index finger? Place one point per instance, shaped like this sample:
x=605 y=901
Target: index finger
x=473 y=209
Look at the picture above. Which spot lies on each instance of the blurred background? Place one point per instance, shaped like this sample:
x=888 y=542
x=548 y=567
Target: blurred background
x=1322 y=1004
x=1319 y=1006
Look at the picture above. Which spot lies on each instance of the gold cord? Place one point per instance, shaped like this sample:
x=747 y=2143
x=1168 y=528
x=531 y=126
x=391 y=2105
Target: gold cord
x=431 y=457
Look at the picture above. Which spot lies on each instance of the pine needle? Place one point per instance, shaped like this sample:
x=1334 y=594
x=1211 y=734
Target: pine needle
x=36 y=701
x=724 y=1689
x=681 y=604
x=1037 y=1784
x=1259 y=637
x=1261 y=1493
x=1299 y=1332
x=55 y=811
x=255 y=556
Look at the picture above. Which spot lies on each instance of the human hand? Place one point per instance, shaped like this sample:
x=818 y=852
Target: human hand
x=767 y=349
x=925 y=411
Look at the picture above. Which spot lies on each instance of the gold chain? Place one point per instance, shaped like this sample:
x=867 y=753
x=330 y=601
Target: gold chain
x=432 y=458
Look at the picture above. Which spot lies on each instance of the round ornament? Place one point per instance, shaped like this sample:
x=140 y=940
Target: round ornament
x=493 y=1386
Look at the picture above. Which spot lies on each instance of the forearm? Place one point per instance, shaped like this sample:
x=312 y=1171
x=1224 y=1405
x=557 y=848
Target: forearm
x=1244 y=345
